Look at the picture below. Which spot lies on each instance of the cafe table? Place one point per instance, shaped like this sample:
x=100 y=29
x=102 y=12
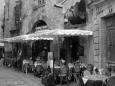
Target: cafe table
x=94 y=80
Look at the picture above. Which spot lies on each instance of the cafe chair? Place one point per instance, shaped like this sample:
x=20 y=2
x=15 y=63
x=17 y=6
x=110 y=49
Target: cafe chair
x=25 y=68
x=39 y=70
x=63 y=74
x=76 y=71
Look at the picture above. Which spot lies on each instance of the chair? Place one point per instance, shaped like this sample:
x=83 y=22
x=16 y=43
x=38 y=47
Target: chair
x=25 y=67
x=63 y=74
x=39 y=70
x=77 y=71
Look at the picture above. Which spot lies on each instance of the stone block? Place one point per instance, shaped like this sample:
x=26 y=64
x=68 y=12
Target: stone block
x=96 y=40
x=96 y=52
x=96 y=46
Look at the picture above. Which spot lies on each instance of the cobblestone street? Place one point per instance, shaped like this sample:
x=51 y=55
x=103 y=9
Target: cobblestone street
x=10 y=77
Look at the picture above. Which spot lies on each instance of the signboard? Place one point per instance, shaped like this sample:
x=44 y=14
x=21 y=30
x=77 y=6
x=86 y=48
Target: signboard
x=50 y=55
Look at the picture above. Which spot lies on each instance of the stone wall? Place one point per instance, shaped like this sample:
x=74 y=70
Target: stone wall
x=51 y=15
x=100 y=10
x=9 y=21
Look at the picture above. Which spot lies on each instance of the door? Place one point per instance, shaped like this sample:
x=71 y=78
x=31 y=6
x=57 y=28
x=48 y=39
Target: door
x=110 y=26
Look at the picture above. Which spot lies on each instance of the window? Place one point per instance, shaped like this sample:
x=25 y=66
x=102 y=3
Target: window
x=41 y=2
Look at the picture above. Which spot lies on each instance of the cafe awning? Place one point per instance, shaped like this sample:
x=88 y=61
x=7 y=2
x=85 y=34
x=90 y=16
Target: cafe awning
x=16 y=38
x=38 y=35
x=72 y=32
x=49 y=35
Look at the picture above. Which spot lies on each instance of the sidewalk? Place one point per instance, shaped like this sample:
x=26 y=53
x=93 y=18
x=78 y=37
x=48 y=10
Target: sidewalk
x=10 y=77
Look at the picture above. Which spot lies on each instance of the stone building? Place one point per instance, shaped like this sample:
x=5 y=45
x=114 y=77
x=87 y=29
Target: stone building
x=2 y=4
x=102 y=22
x=23 y=16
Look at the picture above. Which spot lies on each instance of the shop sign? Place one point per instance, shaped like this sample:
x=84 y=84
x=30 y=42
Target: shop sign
x=103 y=11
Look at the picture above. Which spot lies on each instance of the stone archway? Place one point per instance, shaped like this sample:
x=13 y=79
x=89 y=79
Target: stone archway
x=39 y=23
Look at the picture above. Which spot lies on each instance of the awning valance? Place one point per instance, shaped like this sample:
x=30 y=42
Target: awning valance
x=72 y=32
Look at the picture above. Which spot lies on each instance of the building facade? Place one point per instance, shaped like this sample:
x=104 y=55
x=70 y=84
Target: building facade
x=24 y=16
x=2 y=4
x=102 y=20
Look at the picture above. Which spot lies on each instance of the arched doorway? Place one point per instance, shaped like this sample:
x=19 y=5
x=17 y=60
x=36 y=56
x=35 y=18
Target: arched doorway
x=40 y=47
x=37 y=24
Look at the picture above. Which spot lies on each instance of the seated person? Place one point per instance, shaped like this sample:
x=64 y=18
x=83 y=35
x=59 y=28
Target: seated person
x=25 y=61
x=88 y=72
x=96 y=71
x=37 y=62
x=89 y=69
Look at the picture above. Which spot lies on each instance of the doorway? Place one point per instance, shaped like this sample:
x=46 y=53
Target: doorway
x=72 y=48
x=110 y=28
x=38 y=47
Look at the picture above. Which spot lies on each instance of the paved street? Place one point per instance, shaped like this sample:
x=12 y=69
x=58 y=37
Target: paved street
x=10 y=77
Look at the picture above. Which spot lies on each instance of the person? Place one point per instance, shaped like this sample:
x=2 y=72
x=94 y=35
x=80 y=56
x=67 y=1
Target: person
x=77 y=68
x=111 y=80
x=25 y=65
x=96 y=71
x=88 y=72
x=37 y=62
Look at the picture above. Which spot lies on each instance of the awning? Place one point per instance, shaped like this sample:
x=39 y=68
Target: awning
x=38 y=35
x=41 y=35
x=49 y=35
x=39 y=38
x=16 y=38
x=72 y=32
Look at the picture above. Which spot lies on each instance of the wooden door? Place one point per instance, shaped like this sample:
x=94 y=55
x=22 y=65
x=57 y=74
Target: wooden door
x=110 y=26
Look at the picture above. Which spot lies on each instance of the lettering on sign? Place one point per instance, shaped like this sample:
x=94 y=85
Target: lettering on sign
x=110 y=9
x=101 y=10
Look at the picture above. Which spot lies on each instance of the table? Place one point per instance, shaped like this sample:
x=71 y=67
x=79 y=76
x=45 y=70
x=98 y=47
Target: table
x=94 y=80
